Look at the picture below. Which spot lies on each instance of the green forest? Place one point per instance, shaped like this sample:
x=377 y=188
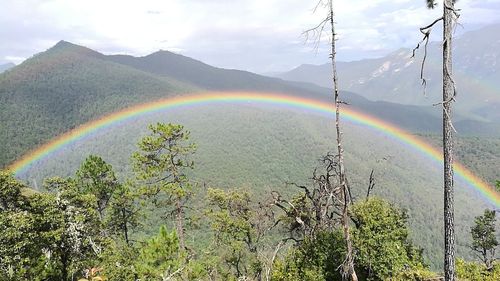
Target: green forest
x=92 y=226
x=265 y=149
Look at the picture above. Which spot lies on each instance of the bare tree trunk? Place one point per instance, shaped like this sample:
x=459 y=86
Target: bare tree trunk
x=348 y=269
x=179 y=220
x=64 y=269
x=448 y=95
x=125 y=227
x=179 y=208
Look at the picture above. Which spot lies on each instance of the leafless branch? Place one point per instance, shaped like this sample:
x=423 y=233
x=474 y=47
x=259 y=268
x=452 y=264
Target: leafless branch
x=426 y=31
x=166 y=278
x=371 y=185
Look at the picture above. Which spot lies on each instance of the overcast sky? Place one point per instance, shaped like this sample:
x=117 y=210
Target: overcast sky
x=256 y=35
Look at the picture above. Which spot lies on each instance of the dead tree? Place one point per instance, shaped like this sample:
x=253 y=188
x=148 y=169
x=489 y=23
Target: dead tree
x=348 y=268
x=317 y=208
x=348 y=272
x=449 y=18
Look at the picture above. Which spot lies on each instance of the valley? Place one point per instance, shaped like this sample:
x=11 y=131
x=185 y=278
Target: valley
x=261 y=147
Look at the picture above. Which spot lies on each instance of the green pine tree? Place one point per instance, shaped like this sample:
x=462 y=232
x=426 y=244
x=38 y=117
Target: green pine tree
x=161 y=163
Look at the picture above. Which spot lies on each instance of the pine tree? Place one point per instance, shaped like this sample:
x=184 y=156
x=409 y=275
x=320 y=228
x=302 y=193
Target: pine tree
x=484 y=241
x=97 y=177
x=161 y=162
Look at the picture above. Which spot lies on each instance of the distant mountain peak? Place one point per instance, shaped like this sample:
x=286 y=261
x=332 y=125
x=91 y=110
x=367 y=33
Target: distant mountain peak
x=66 y=46
x=166 y=53
x=161 y=51
x=63 y=43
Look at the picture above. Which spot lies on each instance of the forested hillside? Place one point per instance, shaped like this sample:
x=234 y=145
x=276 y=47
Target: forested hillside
x=69 y=85
x=262 y=148
x=64 y=87
x=112 y=224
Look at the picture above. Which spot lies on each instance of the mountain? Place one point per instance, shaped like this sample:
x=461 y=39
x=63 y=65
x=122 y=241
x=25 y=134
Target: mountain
x=191 y=71
x=64 y=87
x=253 y=146
x=414 y=118
x=396 y=77
x=7 y=66
x=164 y=63
x=69 y=85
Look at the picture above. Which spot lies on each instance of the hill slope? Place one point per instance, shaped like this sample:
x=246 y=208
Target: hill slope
x=68 y=85
x=261 y=148
x=64 y=87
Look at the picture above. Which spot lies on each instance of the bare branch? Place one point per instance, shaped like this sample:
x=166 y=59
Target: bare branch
x=426 y=31
x=166 y=278
x=371 y=185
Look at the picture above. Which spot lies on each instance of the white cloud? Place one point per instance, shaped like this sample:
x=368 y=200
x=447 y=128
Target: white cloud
x=15 y=60
x=259 y=35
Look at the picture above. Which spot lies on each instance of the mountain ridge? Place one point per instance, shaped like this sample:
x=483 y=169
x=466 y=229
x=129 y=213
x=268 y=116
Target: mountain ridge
x=68 y=85
x=395 y=77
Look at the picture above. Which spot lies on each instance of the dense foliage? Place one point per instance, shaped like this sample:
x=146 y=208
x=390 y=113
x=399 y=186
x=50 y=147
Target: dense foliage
x=383 y=249
x=160 y=166
x=484 y=240
x=90 y=226
x=246 y=146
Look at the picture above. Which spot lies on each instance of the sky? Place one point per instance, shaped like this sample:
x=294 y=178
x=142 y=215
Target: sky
x=262 y=36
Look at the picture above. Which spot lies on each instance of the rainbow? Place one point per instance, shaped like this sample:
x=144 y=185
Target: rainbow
x=350 y=115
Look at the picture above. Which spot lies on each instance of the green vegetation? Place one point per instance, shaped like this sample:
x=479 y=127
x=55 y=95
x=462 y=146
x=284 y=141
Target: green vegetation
x=383 y=250
x=243 y=147
x=260 y=149
x=88 y=226
x=101 y=222
x=382 y=240
x=97 y=177
x=477 y=271
x=479 y=154
x=238 y=230
x=68 y=85
x=46 y=235
x=64 y=87
x=484 y=241
x=160 y=164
